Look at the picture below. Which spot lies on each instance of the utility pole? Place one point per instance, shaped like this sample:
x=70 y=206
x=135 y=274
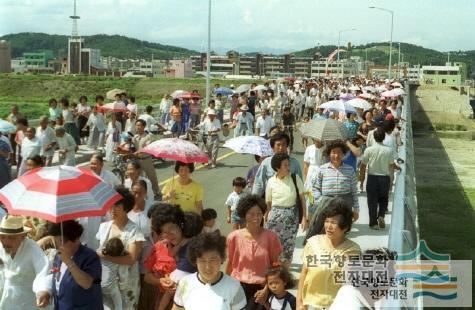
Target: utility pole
x=208 y=55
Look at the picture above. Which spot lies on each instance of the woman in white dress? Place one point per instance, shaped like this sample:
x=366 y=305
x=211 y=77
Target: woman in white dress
x=312 y=160
x=112 y=137
x=120 y=226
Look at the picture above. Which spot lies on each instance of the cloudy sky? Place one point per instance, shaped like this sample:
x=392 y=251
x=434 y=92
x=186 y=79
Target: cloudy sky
x=252 y=24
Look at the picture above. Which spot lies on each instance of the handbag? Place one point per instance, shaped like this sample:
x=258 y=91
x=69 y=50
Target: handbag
x=298 y=202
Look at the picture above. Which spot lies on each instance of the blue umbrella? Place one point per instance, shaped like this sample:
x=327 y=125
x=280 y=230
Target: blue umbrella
x=224 y=91
x=7 y=127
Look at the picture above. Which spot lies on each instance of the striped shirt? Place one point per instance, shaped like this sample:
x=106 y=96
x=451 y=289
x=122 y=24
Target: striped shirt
x=332 y=181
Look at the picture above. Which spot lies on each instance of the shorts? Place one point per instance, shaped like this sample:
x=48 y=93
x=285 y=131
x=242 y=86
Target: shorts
x=236 y=219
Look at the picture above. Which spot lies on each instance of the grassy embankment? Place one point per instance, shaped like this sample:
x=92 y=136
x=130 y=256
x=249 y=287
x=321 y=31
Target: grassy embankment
x=32 y=92
x=445 y=170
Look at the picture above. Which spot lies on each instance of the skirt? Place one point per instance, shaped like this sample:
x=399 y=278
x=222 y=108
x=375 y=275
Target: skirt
x=82 y=121
x=284 y=222
x=72 y=129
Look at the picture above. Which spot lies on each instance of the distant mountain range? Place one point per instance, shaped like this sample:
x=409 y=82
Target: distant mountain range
x=125 y=47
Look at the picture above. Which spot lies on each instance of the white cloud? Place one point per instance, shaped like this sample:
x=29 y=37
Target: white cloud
x=285 y=24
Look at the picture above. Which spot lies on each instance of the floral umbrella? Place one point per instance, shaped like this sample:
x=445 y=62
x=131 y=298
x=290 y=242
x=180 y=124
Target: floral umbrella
x=176 y=149
x=250 y=145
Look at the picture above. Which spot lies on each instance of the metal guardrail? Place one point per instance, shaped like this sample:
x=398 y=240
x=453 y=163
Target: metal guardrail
x=404 y=231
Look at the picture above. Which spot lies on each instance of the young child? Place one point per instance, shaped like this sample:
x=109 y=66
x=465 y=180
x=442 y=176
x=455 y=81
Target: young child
x=113 y=275
x=279 y=280
x=162 y=262
x=209 y=217
x=232 y=201
x=209 y=288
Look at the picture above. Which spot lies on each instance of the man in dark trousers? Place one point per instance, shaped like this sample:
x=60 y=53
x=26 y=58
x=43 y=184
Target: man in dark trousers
x=379 y=160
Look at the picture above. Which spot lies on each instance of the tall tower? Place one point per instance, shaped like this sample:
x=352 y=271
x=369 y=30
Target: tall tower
x=75 y=45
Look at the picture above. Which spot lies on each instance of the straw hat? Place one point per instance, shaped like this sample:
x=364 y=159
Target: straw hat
x=244 y=108
x=13 y=225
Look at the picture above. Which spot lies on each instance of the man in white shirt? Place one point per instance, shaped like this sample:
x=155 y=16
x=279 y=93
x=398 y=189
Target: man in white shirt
x=26 y=282
x=96 y=164
x=165 y=106
x=48 y=140
x=210 y=127
x=67 y=147
x=148 y=118
x=30 y=146
x=263 y=124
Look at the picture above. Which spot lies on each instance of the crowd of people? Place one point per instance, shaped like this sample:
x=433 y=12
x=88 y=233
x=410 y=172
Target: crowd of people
x=162 y=248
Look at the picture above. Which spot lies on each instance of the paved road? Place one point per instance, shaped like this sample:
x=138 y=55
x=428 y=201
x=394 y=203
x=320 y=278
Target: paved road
x=217 y=185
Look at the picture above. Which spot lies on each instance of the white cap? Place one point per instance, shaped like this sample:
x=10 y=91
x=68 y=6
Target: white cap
x=211 y=112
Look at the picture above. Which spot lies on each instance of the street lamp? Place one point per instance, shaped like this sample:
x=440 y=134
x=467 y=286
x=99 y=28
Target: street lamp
x=339 y=37
x=338 y=49
x=391 y=41
x=208 y=55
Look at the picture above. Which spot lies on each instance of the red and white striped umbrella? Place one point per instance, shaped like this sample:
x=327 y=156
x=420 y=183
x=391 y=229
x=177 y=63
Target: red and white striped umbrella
x=58 y=193
x=115 y=107
x=176 y=149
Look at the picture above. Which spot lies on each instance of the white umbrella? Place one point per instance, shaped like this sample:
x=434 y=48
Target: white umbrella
x=366 y=96
x=381 y=88
x=369 y=88
x=399 y=91
x=360 y=103
x=388 y=94
x=354 y=87
x=243 y=88
x=7 y=127
x=260 y=87
x=396 y=84
x=177 y=93
x=338 y=105
x=112 y=93
x=250 y=145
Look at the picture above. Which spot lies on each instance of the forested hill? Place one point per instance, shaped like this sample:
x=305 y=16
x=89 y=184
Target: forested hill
x=414 y=54
x=110 y=45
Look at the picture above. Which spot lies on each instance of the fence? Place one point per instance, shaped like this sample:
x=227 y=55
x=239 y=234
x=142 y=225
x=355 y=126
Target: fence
x=404 y=231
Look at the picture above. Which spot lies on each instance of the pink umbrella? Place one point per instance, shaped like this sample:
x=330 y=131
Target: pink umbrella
x=388 y=94
x=176 y=149
x=58 y=193
x=346 y=96
x=115 y=107
x=188 y=95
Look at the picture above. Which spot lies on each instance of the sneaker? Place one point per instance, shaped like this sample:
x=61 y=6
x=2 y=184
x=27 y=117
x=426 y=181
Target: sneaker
x=374 y=227
x=381 y=222
x=213 y=166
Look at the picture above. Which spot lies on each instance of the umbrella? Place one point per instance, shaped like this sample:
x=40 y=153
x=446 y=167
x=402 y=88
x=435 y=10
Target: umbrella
x=366 y=96
x=243 y=88
x=111 y=93
x=338 y=105
x=381 y=88
x=188 y=95
x=388 y=94
x=176 y=149
x=399 y=91
x=224 y=91
x=346 y=96
x=7 y=127
x=177 y=93
x=360 y=103
x=354 y=87
x=260 y=88
x=369 y=88
x=324 y=130
x=58 y=193
x=250 y=145
x=117 y=106
x=396 y=84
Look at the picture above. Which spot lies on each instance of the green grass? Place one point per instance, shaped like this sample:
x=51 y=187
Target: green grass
x=446 y=219
x=32 y=92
